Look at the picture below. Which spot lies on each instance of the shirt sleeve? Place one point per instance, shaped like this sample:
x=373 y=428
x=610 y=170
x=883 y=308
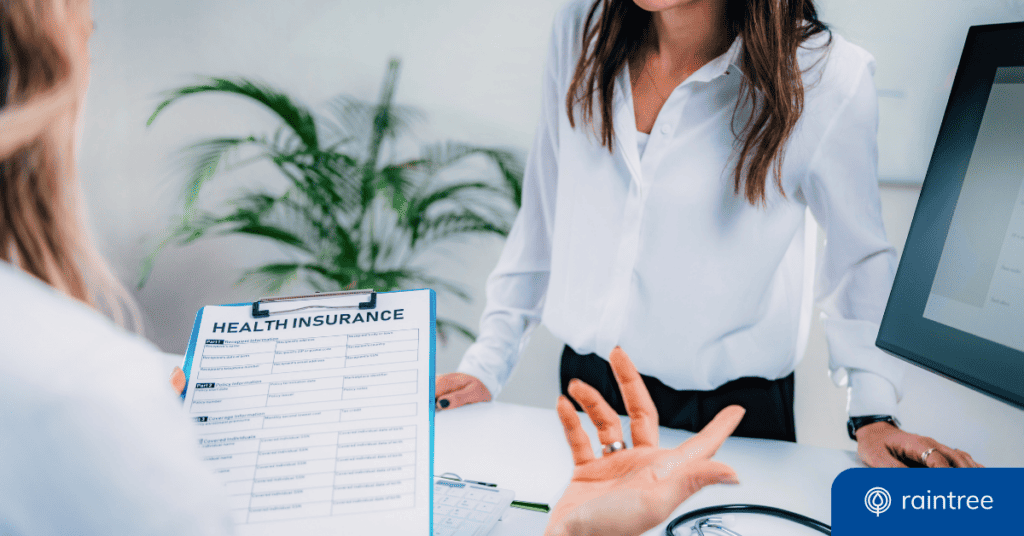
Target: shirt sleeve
x=105 y=452
x=856 y=271
x=517 y=286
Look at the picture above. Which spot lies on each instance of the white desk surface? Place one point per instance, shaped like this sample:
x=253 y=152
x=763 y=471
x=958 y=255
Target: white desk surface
x=524 y=449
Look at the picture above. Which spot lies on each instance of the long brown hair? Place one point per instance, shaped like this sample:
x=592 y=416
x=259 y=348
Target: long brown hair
x=42 y=224
x=772 y=32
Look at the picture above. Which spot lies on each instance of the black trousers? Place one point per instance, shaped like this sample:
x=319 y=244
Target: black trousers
x=769 y=403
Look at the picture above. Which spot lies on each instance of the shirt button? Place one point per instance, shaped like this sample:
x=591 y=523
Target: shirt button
x=665 y=129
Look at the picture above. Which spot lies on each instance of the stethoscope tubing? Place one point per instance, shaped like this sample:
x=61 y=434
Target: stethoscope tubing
x=747 y=509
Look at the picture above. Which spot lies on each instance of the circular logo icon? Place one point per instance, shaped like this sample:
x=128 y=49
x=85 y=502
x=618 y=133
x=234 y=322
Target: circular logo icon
x=877 y=500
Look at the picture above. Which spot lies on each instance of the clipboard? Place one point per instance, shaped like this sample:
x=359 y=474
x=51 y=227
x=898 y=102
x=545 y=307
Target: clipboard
x=318 y=409
x=370 y=303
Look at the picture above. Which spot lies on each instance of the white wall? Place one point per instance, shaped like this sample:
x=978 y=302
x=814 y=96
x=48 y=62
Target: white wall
x=474 y=67
x=917 y=46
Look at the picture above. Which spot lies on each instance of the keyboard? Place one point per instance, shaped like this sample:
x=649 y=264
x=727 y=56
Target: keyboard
x=464 y=509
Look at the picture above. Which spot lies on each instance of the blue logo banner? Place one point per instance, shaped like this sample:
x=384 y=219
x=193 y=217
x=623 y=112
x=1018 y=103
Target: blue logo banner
x=900 y=502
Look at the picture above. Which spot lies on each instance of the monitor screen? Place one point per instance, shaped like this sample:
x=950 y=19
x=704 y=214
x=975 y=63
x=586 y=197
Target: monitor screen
x=979 y=284
x=957 y=305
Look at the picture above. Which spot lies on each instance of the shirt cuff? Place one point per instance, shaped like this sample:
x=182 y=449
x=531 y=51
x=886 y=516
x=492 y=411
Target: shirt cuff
x=871 y=394
x=472 y=365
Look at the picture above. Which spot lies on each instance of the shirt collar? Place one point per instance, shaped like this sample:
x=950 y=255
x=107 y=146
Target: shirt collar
x=725 y=64
x=735 y=54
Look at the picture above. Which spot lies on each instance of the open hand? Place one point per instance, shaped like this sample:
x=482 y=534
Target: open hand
x=629 y=491
x=881 y=444
x=457 y=389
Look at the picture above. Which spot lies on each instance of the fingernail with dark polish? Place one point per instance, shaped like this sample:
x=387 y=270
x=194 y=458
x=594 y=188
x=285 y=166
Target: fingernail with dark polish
x=444 y=403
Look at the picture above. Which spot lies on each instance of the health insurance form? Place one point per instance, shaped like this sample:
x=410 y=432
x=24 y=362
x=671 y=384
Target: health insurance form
x=319 y=420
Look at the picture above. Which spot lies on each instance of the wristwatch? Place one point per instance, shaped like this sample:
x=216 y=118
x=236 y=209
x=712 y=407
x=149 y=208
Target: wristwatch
x=856 y=423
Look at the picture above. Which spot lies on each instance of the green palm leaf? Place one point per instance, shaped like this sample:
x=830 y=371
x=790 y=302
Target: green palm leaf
x=273 y=233
x=510 y=166
x=294 y=115
x=206 y=158
x=272 y=277
x=454 y=224
x=509 y=163
x=419 y=213
x=383 y=117
x=352 y=119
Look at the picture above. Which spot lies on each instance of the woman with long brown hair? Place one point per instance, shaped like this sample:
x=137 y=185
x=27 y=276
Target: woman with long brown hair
x=92 y=440
x=680 y=146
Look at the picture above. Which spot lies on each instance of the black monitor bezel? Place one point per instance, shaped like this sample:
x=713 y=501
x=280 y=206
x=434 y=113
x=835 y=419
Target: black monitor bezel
x=904 y=332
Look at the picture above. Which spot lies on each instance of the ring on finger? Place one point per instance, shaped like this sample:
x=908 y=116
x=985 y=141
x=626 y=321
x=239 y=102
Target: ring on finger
x=613 y=447
x=925 y=454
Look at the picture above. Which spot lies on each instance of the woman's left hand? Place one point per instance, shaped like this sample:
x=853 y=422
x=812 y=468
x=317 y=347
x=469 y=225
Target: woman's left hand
x=629 y=491
x=881 y=444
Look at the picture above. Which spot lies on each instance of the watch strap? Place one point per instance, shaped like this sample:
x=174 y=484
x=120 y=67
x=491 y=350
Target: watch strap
x=856 y=423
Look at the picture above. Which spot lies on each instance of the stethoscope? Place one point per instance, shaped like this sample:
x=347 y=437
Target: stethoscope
x=709 y=521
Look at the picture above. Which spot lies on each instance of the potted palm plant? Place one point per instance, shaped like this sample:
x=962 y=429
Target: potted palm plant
x=348 y=216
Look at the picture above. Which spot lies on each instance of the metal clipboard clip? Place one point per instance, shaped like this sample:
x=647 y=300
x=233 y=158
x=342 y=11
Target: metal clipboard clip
x=370 y=303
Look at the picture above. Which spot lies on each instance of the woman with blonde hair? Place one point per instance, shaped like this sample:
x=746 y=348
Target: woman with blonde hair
x=91 y=439
x=41 y=215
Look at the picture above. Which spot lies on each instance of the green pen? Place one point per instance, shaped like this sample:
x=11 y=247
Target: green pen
x=533 y=507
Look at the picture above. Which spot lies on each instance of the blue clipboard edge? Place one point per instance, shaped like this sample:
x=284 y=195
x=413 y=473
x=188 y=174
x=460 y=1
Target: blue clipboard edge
x=433 y=396
x=186 y=367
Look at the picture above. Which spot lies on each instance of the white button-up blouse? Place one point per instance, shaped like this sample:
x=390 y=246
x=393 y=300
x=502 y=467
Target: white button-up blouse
x=657 y=254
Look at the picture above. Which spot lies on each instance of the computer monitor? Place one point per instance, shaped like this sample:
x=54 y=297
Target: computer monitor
x=957 y=304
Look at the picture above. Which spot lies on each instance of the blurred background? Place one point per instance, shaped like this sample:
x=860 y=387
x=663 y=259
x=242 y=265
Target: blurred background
x=473 y=68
